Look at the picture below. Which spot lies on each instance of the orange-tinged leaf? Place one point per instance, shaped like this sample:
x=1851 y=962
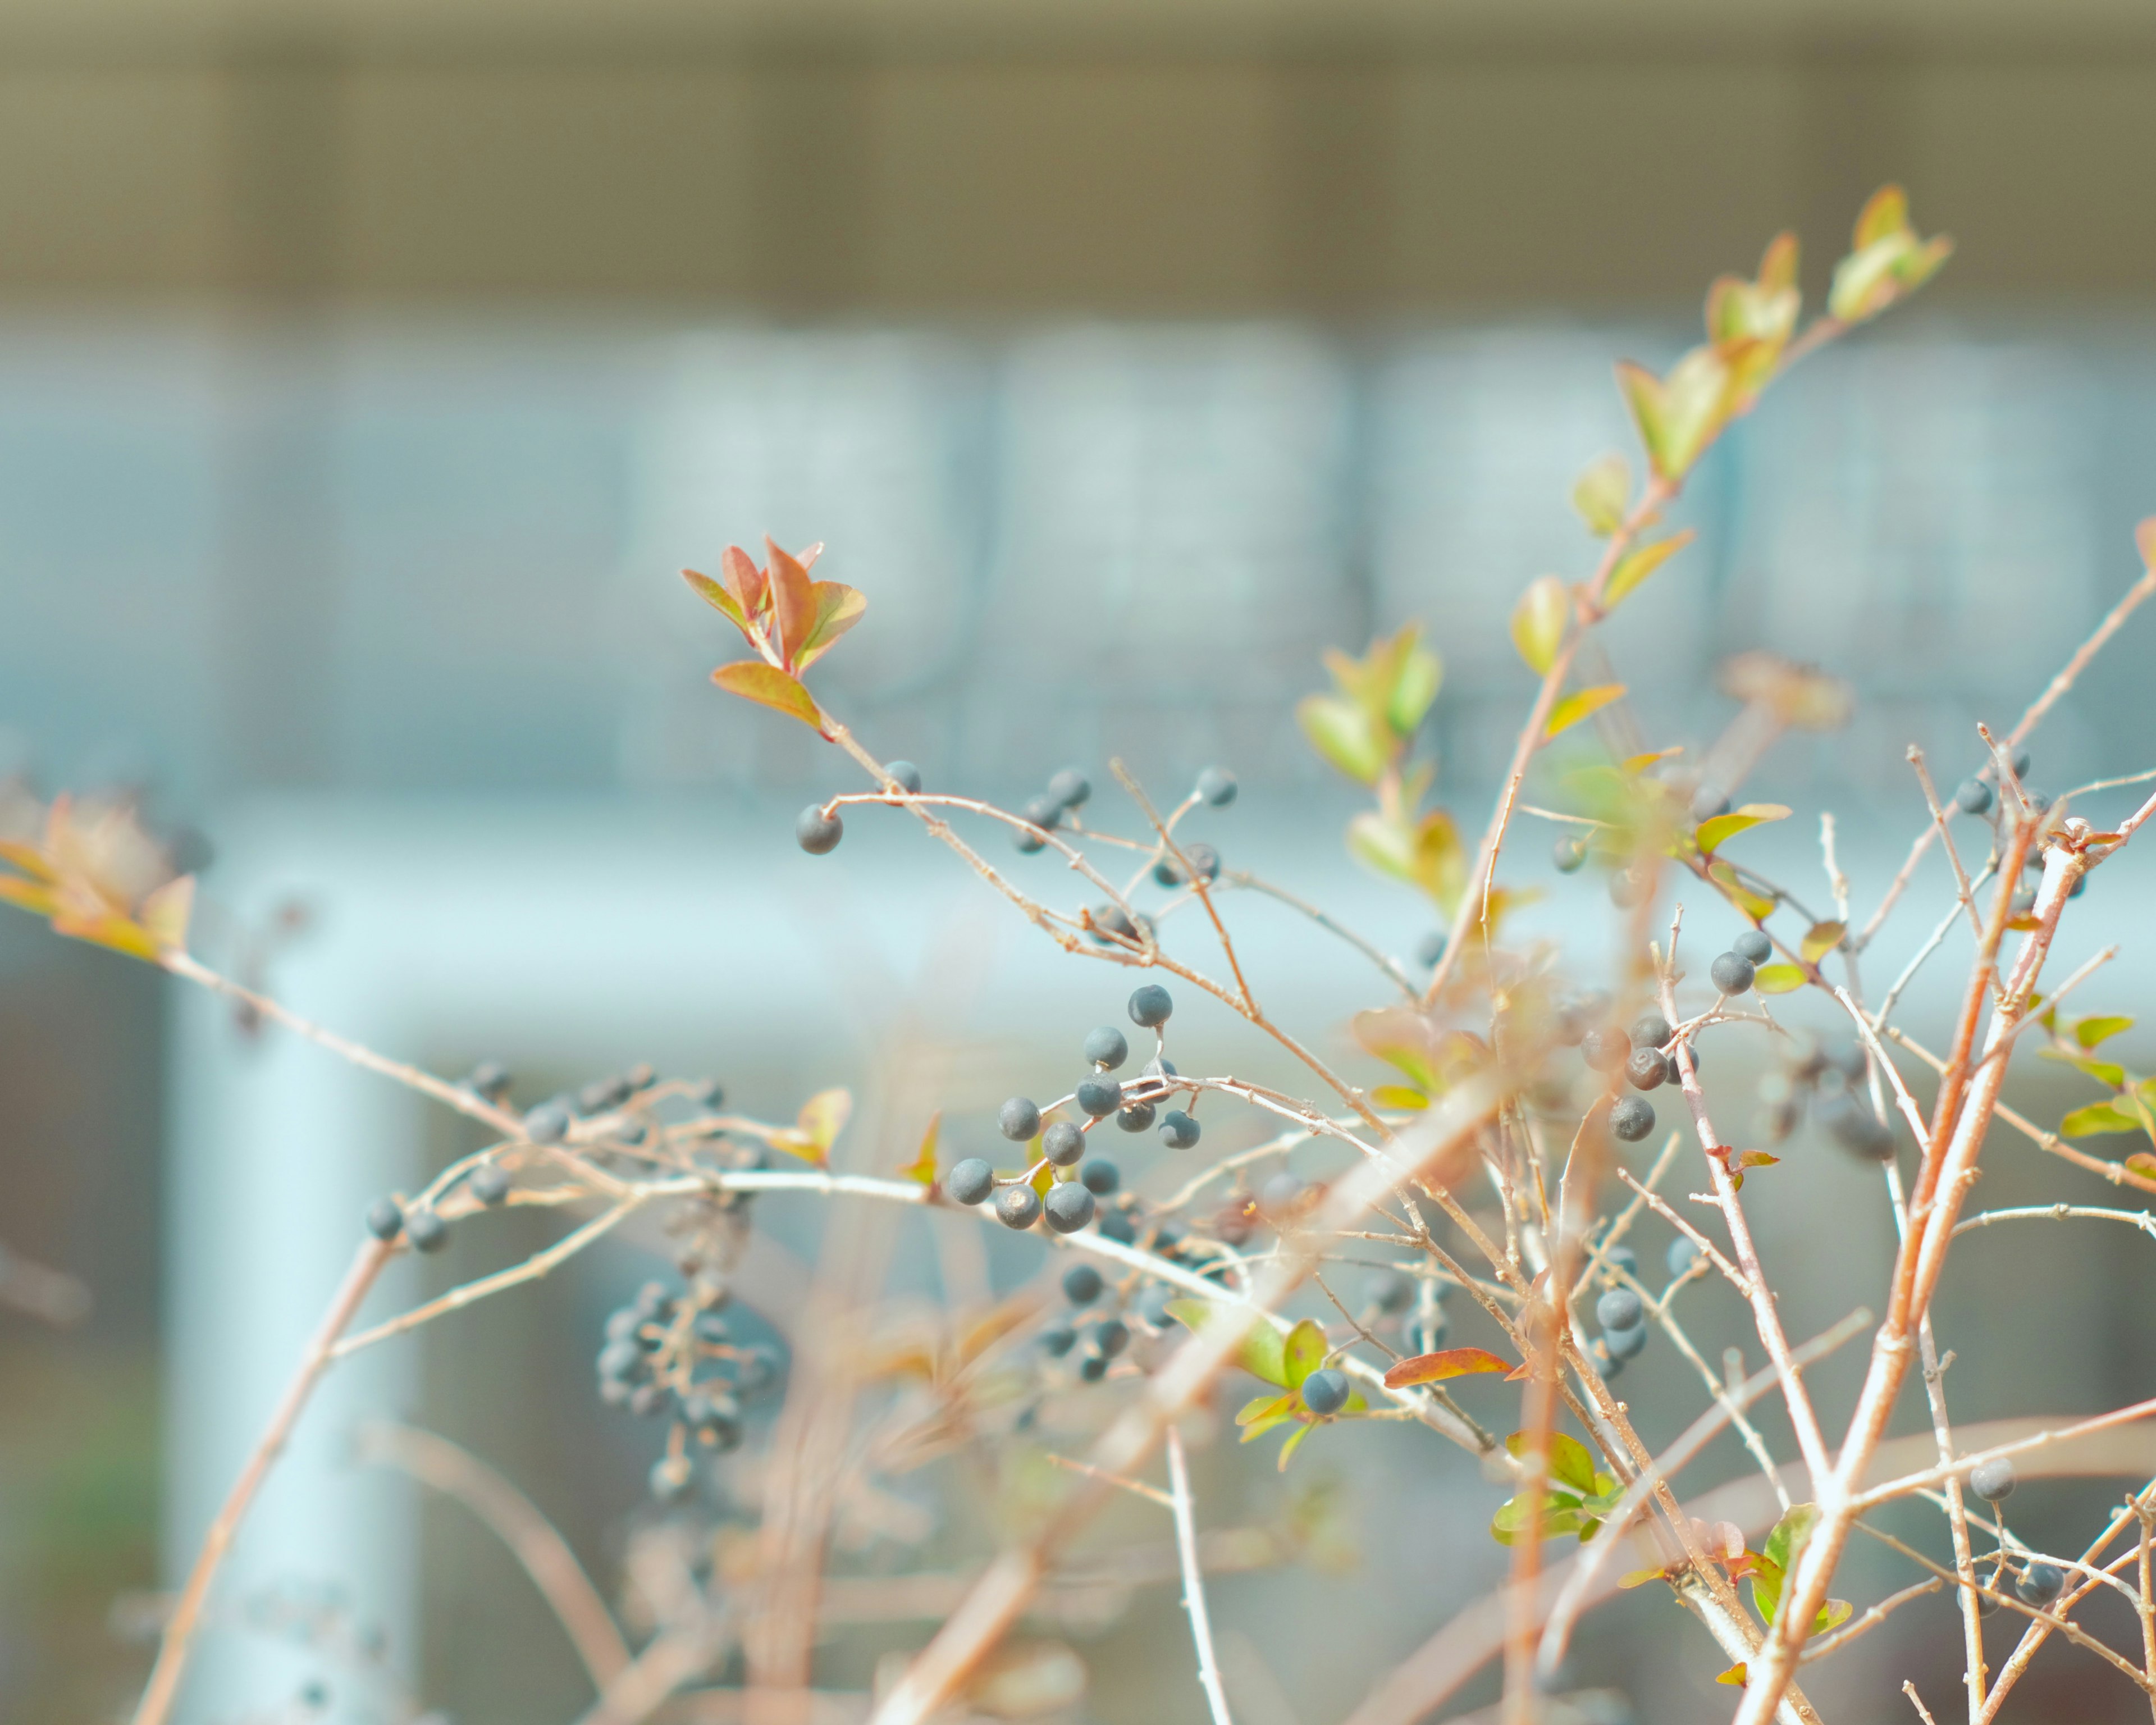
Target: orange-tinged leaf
x=1539 y=623
x=1640 y=1577
x=1636 y=566
x=1778 y=979
x=717 y=597
x=1267 y=1408
x=751 y=592
x=1446 y=1363
x=165 y=913
x=1734 y=1676
x=922 y=1168
x=823 y=1117
x=1577 y=705
x=792 y=604
x=1636 y=764
x=1777 y=268
x=806 y=557
x=1821 y=939
x=38 y=901
x=752 y=679
x=1755 y=1158
x=1885 y=213
x=838 y=608
x=28 y=858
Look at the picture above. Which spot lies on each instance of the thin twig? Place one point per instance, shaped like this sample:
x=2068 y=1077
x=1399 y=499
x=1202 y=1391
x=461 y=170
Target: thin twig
x=1194 y=1579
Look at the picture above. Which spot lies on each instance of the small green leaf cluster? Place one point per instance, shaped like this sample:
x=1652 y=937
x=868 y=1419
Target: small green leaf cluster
x=1575 y=1496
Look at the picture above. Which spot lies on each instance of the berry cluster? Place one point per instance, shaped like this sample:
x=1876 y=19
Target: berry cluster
x=1645 y=1055
x=1068 y=1201
x=673 y=1354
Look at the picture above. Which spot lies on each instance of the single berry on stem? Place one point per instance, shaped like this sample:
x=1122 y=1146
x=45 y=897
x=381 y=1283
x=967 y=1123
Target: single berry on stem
x=1430 y=949
x=1680 y=1256
x=1068 y=788
x=1111 y=1336
x=1081 y=1284
x=2041 y=1584
x=1069 y=1206
x=1325 y=1391
x=1648 y=1068
x=1100 y=1176
x=818 y=830
x=1651 y=1029
x=1216 y=785
x=1017 y=1206
x=1733 y=973
x=1099 y=1097
x=1972 y=796
x=1992 y=1481
x=385 y=1220
x=1626 y=1343
x=1134 y=1116
x=1618 y=1309
x=426 y=1231
x=1062 y=1143
x=488 y=1183
x=1106 y=1048
x=1151 y=1005
x=1632 y=1118
x=1019 y=1119
x=1178 y=1131
x=1569 y=854
x=970 y=1181
x=1753 y=945
x=546 y=1124
x=907 y=775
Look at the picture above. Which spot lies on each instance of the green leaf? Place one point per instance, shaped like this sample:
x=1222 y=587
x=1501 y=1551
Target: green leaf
x=1539 y=623
x=1266 y=1410
x=2089 y=1032
x=1303 y=1352
x=1753 y=905
x=1678 y=416
x=1262 y=1350
x=1294 y=1441
x=1784 y=1545
x=2096 y=1117
x=1576 y=706
x=1399 y=1096
x=1638 y=565
x=1887 y=261
x=1415 y=684
x=1343 y=731
x=1821 y=939
x=2108 y=1072
x=822 y=1118
x=1424 y=852
x=1568 y=1463
x=922 y=1168
x=717 y=597
x=1405 y=1039
x=1778 y=979
x=1560 y=1515
x=752 y=679
x=838 y=608
x=1600 y=492
x=1712 y=832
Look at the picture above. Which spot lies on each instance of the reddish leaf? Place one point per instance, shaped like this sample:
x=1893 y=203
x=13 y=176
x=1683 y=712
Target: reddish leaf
x=717 y=597
x=792 y=604
x=747 y=582
x=1446 y=1363
x=752 y=679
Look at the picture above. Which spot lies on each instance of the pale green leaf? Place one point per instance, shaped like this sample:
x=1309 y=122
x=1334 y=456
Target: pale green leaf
x=1600 y=492
x=1539 y=623
x=1343 y=731
x=2089 y=1032
x=1636 y=566
x=1778 y=979
x=1712 y=833
x=1580 y=705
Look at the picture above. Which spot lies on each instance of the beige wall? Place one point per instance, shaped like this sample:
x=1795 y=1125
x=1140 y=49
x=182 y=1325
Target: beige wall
x=923 y=179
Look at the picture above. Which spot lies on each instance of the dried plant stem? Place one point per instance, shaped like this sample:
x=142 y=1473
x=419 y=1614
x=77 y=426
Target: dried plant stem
x=163 y=1689
x=532 y=1540
x=1194 y=1579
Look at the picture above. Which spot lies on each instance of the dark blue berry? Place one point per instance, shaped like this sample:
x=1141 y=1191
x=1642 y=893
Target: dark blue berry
x=1648 y=1068
x=1044 y=812
x=385 y=1220
x=1430 y=949
x=1972 y=796
x=713 y=1095
x=1099 y=1097
x=623 y=1359
x=490 y=1079
x=970 y=1180
x=818 y=830
x=1081 y=1284
x=1177 y=1130
x=1059 y=1341
x=1651 y=1029
x=2020 y=763
x=1111 y=1336
x=1605 y=1051
x=1106 y=1048
x=602 y=1094
x=1621 y=1257
x=426 y=1231
x=1733 y=973
x=1019 y=1119
x=1028 y=841
x=1753 y=945
x=1062 y=1143
x=1093 y=1367
x=1626 y=1343
x=488 y=1183
x=907 y=775
x=1569 y=854
x=1632 y=1119
x=1325 y=1390
x=1069 y=787
x=1117 y=1225
x=1992 y=1481
x=1618 y=1309
x=2041 y=1584
x=1203 y=859
x=1216 y=785
x=1153 y=1303
x=1134 y=1116
x=1151 y=1005
x=1680 y=1256
x=546 y=1124
x=1110 y=924
x=1069 y=1206
x=1606 y=1362
x=1100 y=1178
x=1017 y=1206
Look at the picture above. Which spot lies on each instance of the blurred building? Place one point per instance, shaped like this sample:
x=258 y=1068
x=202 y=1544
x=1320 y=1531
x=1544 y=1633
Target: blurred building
x=367 y=369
